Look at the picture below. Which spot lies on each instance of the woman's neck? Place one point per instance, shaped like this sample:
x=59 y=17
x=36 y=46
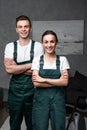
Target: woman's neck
x=50 y=57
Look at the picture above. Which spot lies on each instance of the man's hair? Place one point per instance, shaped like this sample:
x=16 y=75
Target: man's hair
x=23 y=17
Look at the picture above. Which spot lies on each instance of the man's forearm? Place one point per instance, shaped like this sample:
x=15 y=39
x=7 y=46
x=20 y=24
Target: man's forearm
x=17 y=69
x=28 y=72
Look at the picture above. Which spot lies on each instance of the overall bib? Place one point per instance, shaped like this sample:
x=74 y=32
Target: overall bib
x=20 y=97
x=49 y=102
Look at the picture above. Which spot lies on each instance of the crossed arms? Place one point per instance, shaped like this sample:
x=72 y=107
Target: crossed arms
x=47 y=82
x=12 y=68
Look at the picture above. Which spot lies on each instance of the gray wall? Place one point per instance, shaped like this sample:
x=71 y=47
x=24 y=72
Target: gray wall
x=43 y=10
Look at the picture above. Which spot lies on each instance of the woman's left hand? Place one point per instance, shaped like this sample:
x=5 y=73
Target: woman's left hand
x=37 y=78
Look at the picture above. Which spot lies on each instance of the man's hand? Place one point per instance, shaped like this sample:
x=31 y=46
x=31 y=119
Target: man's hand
x=12 y=68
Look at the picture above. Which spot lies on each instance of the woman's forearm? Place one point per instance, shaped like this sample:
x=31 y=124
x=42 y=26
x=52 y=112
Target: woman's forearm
x=57 y=82
x=38 y=84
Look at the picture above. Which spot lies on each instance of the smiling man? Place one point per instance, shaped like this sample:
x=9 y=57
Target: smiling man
x=18 y=58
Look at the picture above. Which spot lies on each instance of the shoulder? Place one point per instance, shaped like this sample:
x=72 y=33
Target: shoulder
x=38 y=48
x=9 y=45
x=9 y=50
x=35 y=63
x=38 y=44
x=36 y=59
x=64 y=62
x=62 y=58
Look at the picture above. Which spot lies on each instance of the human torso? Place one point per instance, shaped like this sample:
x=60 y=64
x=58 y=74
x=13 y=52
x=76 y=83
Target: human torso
x=49 y=69
x=23 y=57
x=23 y=52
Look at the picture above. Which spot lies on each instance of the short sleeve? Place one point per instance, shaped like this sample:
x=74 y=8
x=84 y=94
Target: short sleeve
x=64 y=63
x=38 y=50
x=8 y=53
x=35 y=63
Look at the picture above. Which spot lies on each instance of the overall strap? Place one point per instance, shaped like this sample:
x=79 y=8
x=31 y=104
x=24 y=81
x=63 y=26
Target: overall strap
x=41 y=61
x=57 y=62
x=15 y=51
x=32 y=50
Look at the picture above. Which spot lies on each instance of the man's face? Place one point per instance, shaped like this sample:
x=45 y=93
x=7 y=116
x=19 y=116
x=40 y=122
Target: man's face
x=23 y=28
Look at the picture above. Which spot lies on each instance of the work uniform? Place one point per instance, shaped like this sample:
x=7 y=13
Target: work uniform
x=20 y=96
x=49 y=103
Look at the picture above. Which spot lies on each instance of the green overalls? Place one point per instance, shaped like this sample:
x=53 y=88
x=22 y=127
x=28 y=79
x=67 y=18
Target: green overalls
x=49 y=102
x=20 y=97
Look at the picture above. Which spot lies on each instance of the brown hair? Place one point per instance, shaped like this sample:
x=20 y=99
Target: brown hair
x=23 y=17
x=49 y=32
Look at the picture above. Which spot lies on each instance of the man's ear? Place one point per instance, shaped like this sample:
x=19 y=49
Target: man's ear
x=16 y=30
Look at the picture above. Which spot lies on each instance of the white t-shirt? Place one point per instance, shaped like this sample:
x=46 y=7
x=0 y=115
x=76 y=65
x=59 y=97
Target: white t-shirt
x=23 y=52
x=64 y=64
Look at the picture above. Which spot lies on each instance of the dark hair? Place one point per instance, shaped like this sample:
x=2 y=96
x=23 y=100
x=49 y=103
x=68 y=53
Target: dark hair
x=49 y=32
x=23 y=17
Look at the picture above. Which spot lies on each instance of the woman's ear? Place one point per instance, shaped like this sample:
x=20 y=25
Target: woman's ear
x=31 y=30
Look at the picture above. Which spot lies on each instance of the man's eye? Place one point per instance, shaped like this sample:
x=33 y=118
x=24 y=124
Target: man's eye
x=45 y=41
x=19 y=26
x=27 y=26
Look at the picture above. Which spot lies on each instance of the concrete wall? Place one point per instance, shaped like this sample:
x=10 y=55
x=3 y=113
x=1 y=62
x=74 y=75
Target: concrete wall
x=43 y=10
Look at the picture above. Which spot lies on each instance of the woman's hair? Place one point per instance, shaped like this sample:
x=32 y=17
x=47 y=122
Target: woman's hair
x=47 y=32
x=23 y=17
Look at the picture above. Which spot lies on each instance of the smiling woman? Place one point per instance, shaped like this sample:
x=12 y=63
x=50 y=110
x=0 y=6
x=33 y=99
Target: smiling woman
x=50 y=76
x=49 y=43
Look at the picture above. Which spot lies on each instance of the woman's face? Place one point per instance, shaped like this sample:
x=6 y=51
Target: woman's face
x=49 y=43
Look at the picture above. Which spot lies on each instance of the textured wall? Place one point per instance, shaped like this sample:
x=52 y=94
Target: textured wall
x=43 y=10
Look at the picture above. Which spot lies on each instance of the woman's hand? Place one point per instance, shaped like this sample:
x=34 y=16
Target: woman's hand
x=37 y=78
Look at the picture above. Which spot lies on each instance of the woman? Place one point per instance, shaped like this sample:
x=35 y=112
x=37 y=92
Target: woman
x=50 y=77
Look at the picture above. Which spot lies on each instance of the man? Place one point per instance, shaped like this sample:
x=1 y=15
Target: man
x=18 y=60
